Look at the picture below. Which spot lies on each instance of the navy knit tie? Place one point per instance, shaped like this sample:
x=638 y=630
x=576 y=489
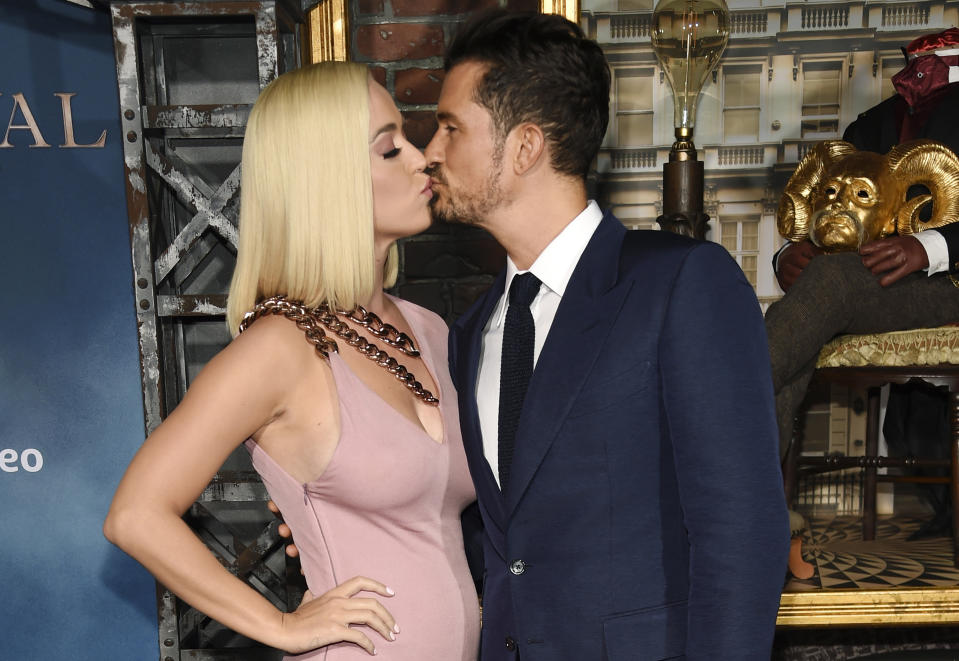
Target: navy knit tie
x=516 y=367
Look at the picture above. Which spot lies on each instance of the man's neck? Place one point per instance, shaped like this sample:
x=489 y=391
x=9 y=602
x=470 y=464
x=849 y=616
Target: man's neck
x=527 y=225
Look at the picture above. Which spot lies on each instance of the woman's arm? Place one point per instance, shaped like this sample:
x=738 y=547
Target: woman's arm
x=239 y=392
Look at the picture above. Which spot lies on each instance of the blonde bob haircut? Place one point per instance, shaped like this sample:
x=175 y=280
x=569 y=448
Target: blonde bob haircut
x=306 y=212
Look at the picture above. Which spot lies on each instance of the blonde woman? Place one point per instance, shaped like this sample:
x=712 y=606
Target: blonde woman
x=367 y=466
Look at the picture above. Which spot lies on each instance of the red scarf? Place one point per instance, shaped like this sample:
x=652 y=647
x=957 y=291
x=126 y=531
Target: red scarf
x=925 y=79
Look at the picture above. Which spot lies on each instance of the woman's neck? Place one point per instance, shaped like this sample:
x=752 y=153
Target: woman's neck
x=377 y=301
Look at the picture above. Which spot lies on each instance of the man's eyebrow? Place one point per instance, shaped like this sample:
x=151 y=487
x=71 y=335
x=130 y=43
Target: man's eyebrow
x=446 y=116
x=386 y=128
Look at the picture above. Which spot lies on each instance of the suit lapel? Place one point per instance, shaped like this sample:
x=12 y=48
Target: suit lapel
x=469 y=349
x=591 y=303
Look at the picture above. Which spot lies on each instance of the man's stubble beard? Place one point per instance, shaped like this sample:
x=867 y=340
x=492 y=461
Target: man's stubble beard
x=467 y=207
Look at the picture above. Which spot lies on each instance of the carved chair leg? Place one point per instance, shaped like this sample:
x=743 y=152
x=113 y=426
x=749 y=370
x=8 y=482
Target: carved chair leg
x=790 y=467
x=954 y=484
x=869 y=473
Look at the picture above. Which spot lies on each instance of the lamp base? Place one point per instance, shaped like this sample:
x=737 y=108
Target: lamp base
x=683 y=193
x=693 y=225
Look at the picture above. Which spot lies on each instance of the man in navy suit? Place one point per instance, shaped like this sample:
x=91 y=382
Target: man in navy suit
x=629 y=486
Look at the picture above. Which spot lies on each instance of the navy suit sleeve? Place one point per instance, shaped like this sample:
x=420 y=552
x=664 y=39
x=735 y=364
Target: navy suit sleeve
x=718 y=405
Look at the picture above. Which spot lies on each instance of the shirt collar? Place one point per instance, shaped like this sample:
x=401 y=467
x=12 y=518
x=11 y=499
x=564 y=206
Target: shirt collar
x=554 y=266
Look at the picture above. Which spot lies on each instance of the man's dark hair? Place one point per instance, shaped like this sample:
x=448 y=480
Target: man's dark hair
x=542 y=69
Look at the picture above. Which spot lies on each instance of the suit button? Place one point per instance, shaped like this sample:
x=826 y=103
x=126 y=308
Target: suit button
x=510 y=643
x=517 y=567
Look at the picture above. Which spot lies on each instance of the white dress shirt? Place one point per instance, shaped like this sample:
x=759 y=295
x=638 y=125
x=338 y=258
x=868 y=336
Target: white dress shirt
x=936 y=249
x=553 y=267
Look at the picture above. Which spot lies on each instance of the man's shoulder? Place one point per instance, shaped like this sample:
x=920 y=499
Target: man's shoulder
x=652 y=240
x=661 y=248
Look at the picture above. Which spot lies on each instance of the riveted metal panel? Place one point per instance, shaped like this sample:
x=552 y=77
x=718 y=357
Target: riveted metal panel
x=188 y=73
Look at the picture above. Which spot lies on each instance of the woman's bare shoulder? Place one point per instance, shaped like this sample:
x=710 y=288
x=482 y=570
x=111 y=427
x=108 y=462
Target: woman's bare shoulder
x=273 y=348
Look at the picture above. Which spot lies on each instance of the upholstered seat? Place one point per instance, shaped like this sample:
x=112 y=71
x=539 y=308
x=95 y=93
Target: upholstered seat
x=911 y=348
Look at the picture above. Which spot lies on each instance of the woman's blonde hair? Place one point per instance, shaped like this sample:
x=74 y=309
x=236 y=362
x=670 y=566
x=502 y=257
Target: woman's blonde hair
x=306 y=212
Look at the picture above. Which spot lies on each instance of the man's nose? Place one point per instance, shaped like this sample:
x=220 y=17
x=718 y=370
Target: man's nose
x=433 y=151
x=417 y=161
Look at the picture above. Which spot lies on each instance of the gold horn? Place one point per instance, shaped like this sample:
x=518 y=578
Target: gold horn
x=792 y=217
x=933 y=165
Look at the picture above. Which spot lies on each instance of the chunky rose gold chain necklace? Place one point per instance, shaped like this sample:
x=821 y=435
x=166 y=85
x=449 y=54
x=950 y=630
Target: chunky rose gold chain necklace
x=378 y=329
x=309 y=320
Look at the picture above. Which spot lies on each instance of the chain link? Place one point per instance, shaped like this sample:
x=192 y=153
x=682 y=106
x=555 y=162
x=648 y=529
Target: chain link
x=381 y=330
x=309 y=320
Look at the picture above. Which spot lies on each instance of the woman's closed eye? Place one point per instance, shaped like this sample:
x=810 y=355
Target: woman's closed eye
x=392 y=153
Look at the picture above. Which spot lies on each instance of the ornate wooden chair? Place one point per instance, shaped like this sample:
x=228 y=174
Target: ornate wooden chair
x=871 y=361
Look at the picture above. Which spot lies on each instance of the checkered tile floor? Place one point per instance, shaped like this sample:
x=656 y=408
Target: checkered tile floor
x=834 y=545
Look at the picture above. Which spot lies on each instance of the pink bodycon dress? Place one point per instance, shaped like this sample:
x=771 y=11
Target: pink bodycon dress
x=388 y=507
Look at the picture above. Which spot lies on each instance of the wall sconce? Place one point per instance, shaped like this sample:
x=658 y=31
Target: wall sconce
x=688 y=37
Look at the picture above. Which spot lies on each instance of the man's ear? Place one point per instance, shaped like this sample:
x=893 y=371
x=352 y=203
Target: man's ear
x=529 y=147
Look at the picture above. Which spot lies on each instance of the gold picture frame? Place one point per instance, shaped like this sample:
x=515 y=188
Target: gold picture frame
x=825 y=608
x=328 y=27
x=805 y=606
x=328 y=32
x=566 y=8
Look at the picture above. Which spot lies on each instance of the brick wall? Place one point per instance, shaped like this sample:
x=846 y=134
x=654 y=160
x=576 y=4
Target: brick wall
x=447 y=267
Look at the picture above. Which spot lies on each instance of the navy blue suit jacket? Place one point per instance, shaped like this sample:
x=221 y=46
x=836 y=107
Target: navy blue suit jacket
x=645 y=499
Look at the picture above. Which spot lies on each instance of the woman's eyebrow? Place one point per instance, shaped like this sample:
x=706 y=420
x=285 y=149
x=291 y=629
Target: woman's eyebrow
x=383 y=129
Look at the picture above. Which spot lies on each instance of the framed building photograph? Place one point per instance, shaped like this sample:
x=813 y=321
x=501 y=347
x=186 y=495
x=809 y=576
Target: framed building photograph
x=792 y=74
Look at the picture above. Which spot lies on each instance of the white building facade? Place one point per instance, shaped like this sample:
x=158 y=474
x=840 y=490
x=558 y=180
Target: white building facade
x=793 y=73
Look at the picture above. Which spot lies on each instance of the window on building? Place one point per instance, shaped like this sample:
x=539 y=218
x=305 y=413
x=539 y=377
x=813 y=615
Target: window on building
x=741 y=85
x=740 y=236
x=634 y=107
x=890 y=67
x=821 y=93
x=635 y=216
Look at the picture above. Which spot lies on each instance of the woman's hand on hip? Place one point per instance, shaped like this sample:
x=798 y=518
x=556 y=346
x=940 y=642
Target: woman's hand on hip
x=329 y=618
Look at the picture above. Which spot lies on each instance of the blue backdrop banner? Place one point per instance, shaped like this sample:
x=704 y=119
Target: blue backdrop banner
x=71 y=416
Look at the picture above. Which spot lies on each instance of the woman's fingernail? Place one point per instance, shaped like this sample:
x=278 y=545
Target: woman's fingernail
x=392 y=637
x=389 y=590
x=396 y=628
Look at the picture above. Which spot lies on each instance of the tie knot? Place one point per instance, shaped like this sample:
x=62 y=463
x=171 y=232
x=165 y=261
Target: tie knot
x=523 y=289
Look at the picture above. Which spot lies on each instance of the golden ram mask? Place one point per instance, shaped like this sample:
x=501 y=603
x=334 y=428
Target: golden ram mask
x=841 y=198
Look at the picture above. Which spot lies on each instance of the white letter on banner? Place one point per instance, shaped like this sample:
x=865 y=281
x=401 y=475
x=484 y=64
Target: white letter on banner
x=37 y=460
x=31 y=124
x=8 y=461
x=68 y=139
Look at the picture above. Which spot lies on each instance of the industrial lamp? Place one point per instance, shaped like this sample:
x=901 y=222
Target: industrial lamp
x=688 y=37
